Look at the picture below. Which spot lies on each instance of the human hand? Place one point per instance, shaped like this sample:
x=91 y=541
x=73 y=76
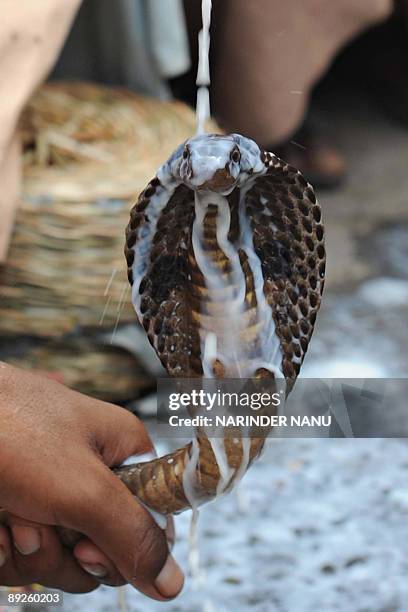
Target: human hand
x=55 y=449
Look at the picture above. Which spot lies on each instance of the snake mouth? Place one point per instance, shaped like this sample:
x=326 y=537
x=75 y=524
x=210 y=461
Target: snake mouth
x=221 y=182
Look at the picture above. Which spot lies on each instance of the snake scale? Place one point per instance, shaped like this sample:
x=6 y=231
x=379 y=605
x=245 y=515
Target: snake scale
x=226 y=258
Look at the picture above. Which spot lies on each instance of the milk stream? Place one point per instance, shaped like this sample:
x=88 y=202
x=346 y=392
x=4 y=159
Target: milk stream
x=203 y=73
x=196 y=571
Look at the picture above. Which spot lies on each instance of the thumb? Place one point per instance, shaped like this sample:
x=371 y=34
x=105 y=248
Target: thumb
x=126 y=532
x=117 y=433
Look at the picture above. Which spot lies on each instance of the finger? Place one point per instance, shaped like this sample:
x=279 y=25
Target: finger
x=118 y=434
x=110 y=516
x=5 y=545
x=9 y=573
x=48 y=562
x=96 y=563
x=26 y=537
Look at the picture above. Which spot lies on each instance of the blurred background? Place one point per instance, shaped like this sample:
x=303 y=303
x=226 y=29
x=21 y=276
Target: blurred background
x=317 y=524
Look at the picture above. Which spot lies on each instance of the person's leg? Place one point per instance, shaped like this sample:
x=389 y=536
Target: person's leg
x=266 y=56
x=269 y=55
x=31 y=35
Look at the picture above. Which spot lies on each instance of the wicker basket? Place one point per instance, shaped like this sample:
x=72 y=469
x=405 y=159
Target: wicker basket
x=89 y=151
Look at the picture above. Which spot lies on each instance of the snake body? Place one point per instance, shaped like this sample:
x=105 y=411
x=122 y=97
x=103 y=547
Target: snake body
x=225 y=254
x=225 y=243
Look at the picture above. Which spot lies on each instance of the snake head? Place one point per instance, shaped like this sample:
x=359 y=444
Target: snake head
x=210 y=162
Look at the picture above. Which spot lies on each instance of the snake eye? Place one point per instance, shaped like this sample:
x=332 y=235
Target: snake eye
x=186 y=153
x=235 y=155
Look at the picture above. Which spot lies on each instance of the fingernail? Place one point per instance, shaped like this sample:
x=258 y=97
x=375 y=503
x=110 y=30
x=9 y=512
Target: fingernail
x=2 y=556
x=95 y=569
x=26 y=539
x=171 y=579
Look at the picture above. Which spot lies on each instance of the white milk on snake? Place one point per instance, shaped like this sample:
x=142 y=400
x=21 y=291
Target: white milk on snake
x=227 y=346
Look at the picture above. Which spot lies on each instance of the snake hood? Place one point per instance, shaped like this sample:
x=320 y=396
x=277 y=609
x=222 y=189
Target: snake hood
x=225 y=254
x=212 y=162
x=221 y=214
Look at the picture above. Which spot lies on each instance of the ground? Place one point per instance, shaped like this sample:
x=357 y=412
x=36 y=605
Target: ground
x=317 y=525
x=320 y=524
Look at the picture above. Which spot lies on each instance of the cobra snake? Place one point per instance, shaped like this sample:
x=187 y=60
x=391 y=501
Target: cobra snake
x=226 y=258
